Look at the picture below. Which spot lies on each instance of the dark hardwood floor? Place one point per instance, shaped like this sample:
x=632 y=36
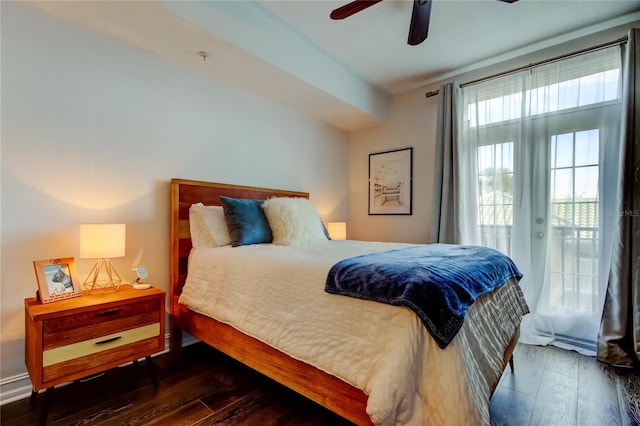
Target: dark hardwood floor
x=550 y=386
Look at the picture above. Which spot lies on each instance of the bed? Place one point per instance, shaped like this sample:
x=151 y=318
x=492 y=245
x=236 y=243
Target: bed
x=441 y=395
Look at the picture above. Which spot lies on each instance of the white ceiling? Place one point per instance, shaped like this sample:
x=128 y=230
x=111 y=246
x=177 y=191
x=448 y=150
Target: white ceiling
x=341 y=72
x=462 y=33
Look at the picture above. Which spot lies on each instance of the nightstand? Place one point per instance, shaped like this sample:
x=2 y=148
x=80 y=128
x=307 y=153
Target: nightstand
x=75 y=338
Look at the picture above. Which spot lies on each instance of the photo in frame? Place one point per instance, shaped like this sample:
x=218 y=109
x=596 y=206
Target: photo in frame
x=391 y=182
x=57 y=279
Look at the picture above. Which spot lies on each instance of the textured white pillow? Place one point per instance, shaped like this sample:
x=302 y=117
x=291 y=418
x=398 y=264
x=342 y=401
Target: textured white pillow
x=293 y=221
x=208 y=226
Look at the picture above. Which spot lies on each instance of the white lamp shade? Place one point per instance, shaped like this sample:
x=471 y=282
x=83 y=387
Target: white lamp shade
x=337 y=230
x=102 y=240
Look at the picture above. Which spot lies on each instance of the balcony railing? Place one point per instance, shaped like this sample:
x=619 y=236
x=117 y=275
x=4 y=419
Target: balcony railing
x=573 y=263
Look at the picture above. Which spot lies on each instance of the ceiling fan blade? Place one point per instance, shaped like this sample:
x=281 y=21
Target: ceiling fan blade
x=509 y=1
x=419 y=27
x=352 y=8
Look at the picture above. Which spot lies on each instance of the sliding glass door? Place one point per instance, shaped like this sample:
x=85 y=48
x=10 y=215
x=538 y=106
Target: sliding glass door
x=534 y=151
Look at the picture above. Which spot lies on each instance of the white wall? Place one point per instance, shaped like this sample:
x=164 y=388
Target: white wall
x=412 y=122
x=93 y=130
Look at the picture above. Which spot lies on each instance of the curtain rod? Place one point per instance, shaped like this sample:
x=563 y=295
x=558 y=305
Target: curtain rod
x=537 y=64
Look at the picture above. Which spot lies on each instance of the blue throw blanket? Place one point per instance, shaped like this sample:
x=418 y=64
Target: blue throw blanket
x=438 y=281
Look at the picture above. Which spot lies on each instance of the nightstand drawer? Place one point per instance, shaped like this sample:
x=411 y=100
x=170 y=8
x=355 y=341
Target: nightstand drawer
x=99 y=344
x=81 y=332
x=76 y=357
x=99 y=316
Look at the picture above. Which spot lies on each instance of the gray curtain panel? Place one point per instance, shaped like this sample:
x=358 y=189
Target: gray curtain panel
x=619 y=336
x=445 y=216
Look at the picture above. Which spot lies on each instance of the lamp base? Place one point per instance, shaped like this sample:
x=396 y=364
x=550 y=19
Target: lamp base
x=109 y=284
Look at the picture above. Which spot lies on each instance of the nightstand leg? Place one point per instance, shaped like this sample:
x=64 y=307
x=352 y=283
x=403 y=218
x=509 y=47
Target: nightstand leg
x=44 y=413
x=152 y=371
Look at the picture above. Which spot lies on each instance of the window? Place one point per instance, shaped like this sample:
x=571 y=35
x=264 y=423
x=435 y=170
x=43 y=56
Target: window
x=495 y=195
x=540 y=139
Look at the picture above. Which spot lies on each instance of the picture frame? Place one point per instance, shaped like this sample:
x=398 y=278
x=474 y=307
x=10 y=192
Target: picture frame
x=391 y=182
x=57 y=279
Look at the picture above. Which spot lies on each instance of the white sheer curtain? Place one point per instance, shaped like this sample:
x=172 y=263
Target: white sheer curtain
x=534 y=150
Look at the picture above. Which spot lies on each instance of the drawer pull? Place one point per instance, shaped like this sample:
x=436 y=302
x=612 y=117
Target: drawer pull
x=107 y=313
x=113 y=339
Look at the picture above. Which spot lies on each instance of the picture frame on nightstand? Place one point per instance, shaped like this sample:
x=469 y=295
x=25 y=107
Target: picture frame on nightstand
x=57 y=279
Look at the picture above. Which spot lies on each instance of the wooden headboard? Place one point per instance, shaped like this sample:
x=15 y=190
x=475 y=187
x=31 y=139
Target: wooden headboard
x=184 y=193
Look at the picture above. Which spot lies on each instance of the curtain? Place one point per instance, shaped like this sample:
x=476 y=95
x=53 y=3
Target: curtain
x=445 y=215
x=619 y=336
x=533 y=151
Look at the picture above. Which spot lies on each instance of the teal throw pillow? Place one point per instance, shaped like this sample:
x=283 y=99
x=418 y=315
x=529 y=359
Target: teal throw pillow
x=246 y=221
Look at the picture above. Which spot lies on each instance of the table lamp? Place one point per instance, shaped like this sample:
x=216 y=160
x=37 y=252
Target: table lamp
x=337 y=230
x=102 y=241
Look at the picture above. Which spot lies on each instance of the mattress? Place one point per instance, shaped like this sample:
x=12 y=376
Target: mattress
x=276 y=295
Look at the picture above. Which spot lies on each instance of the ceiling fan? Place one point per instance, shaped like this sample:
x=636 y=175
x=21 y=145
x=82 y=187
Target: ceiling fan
x=419 y=26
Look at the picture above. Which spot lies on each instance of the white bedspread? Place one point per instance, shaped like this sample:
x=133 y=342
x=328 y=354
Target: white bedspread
x=276 y=294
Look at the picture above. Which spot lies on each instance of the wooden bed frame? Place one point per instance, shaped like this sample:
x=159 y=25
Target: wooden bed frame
x=323 y=388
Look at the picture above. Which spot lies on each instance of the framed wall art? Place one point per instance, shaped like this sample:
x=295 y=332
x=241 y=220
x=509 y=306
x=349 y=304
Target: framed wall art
x=391 y=182
x=57 y=279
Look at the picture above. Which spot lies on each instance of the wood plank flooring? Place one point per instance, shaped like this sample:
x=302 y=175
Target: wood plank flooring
x=550 y=386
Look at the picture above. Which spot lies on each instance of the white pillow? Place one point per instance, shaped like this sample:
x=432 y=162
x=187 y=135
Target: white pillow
x=293 y=221
x=208 y=226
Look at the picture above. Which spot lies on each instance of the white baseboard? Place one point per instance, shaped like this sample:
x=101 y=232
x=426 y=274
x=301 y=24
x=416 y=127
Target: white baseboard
x=19 y=386
x=15 y=388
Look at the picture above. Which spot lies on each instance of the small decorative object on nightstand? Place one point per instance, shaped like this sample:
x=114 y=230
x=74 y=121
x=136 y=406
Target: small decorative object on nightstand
x=75 y=338
x=142 y=273
x=57 y=279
